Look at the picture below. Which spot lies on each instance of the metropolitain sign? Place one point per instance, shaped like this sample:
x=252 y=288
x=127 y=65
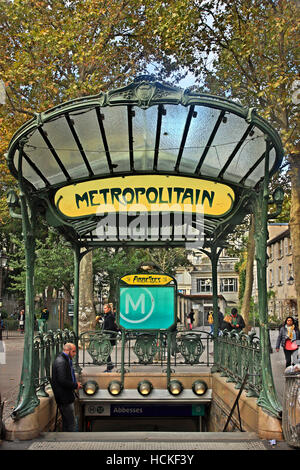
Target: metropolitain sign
x=144 y=193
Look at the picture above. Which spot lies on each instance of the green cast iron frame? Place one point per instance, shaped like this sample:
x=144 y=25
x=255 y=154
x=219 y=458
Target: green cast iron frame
x=32 y=201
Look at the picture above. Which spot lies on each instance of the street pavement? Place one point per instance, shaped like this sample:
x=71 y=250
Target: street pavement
x=10 y=373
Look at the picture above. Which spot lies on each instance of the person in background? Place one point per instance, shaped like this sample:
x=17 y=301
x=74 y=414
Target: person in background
x=22 y=321
x=237 y=321
x=44 y=319
x=288 y=338
x=64 y=384
x=45 y=314
x=233 y=322
x=109 y=324
x=210 y=319
x=220 y=318
x=191 y=319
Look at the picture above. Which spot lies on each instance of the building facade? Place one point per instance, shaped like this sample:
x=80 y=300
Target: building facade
x=280 y=273
x=195 y=285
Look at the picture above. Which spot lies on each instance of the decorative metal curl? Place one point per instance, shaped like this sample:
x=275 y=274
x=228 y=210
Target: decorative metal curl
x=191 y=348
x=146 y=348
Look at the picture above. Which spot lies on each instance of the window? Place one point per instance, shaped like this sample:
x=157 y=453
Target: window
x=279 y=278
x=286 y=246
x=229 y=284
x=204 y=285
x=290 y=274
x=271 y=280
x=290 y=246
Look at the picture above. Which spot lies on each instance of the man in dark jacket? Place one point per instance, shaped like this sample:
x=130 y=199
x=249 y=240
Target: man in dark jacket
x=64 y=384
x=109 y=324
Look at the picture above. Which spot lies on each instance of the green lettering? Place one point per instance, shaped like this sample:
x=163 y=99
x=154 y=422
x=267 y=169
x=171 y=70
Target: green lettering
x=92 y=195
x=84 y=198
x=188 y=194
x=115 y=193
x=128 y=191
x=178 y=191
x=160 y=191
x=137 y=191
x=209 y=196
x=148 y=192
x=104 y=192
x=198 y=192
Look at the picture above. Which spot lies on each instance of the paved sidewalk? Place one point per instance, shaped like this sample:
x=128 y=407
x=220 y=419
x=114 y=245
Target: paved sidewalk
x=10 y=372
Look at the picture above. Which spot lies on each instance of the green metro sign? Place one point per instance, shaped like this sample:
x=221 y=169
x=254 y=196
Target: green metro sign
x=147 y=306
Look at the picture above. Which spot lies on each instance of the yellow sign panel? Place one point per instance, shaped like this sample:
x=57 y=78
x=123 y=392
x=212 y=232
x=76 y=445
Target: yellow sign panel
x=147 y=279
x=145 y=193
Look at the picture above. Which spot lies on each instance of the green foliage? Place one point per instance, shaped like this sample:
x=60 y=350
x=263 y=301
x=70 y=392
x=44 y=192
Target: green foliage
x=110 y=264
x=53 y=265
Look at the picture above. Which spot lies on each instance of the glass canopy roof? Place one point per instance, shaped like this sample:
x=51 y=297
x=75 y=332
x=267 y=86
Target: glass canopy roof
x=144 y=128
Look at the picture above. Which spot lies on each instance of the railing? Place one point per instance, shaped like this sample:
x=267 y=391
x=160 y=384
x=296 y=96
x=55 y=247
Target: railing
x=46 y=347
x=235 y=354
x=145 y=348
x=239 y=354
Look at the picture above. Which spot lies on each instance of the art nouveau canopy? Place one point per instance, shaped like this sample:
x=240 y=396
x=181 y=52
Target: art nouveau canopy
x=143 y=145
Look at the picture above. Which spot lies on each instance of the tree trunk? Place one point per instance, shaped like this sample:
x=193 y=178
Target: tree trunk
x=249 y=276
x=86 y=294
x=295 y=221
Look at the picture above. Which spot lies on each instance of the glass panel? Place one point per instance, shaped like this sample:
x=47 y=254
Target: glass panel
x=29 y=173
x=62 y=140
x=144 y=133
x=227 y=137
x=259 y=172
x=38 y=152
x=199 y=132
x=171 y=134
x=252 y=149
x=88 y=131
x=116 y=128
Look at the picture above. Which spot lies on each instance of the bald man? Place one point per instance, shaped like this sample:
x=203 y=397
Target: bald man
x=64 y=384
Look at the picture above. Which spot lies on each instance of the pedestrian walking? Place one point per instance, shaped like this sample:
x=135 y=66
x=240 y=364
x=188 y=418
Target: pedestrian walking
x=191 y=319
x=109 y=324
x=22 y=321
x=64 y=384
x=210 y=319
x=289 y=339
x=43 y=320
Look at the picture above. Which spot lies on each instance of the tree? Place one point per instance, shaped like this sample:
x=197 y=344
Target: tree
x=111 y=264
x=168 y=259
x=55 y=50
x=245 y=50
x=54 y=264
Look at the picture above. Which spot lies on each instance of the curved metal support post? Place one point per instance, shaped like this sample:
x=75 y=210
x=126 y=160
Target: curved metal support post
x=214 y=258
x=268 y=398
x=27 y=398
x=77 y=259
x=78 y=255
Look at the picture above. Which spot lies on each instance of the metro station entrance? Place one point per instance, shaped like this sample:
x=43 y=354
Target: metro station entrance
x=146 y=165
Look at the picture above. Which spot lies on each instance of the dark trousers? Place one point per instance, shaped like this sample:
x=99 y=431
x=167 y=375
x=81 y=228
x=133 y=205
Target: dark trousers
x=68 y=417
x=288 y=357
x=109 y=363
